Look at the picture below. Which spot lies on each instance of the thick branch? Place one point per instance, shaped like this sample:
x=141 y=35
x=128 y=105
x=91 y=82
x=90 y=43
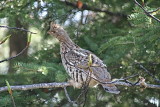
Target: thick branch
x=86 y=7
x=36 y=86
x=65 y=84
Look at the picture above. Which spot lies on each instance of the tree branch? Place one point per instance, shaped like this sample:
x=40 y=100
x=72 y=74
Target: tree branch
x=148 y=72
x=138 y=84
x=36 y=86
x=20 y=53
x=65 y=84
x=146 y=12
x=27 y=45
x=86 y=7
x=18 y=29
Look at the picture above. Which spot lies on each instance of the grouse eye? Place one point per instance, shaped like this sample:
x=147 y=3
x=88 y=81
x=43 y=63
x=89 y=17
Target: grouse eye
x=106 y=89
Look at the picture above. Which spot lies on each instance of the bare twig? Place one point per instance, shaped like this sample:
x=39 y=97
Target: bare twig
x=129 y=85
x=13 y=102
x=84 y=90
x=2 y=41
x=65 y=84
x=117 y=80
x=130 y=76
x=17 y=29
x=154 y=10
x=27 y=45
x=15 y=55
x=76 y=101
x=11 y=93
x=146 y=12
x=67 y=95
x=148 y=72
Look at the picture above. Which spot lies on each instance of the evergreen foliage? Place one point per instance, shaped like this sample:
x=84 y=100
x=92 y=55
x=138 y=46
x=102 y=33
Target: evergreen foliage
x=122 y=45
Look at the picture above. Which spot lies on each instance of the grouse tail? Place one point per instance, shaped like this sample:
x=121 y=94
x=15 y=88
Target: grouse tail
x=111 y=88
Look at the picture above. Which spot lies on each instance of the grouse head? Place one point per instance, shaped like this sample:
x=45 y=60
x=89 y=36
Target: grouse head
x=58 y=32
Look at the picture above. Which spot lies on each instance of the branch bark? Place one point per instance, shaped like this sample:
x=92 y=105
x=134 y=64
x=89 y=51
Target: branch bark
x=66 y=84
x=36 y=86
x=146 y=12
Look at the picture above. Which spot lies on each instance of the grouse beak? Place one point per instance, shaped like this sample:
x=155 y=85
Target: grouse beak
x=51 y=33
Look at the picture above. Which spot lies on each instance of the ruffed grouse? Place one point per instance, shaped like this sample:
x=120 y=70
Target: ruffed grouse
x=79 y=63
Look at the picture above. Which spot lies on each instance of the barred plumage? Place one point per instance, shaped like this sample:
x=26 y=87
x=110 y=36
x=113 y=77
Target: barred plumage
x=76 y=62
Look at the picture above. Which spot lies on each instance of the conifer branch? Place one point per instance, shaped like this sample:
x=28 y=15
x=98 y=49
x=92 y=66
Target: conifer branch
x=65 y=84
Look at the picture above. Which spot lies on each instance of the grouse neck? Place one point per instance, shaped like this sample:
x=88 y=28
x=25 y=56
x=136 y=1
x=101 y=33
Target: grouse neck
x=68 y=43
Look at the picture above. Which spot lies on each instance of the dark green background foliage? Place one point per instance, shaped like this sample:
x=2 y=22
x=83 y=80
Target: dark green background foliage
x=119 y=41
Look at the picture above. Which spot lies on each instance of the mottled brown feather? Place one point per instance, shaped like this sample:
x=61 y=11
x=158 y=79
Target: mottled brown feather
x=75 y=61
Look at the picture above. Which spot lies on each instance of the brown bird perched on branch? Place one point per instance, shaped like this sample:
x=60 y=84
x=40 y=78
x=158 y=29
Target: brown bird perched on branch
x=81 y=64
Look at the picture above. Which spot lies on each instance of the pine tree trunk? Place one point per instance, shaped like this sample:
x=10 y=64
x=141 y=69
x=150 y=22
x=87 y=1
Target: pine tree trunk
x=17 y=41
